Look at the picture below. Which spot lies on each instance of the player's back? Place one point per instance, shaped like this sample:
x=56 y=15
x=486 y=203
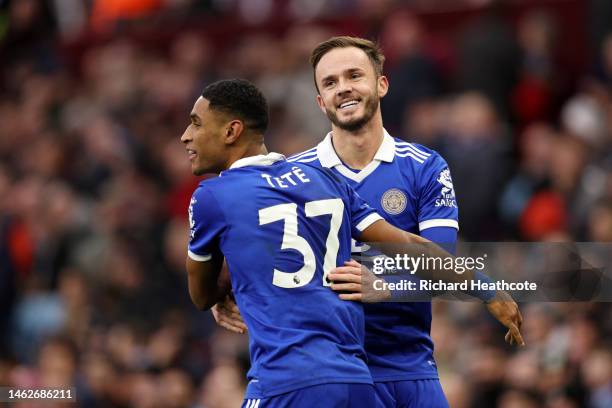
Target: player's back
x=284 y=226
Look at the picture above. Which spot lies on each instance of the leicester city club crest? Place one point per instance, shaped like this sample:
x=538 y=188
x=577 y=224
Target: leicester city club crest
x=393 y=201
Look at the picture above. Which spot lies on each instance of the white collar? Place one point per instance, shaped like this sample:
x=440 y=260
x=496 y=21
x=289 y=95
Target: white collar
x=259 y=160
x=329 y=158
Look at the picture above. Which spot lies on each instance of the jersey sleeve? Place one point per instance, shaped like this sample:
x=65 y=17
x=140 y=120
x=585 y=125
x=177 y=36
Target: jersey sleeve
x=362 y=215
x=206 y=224
x=437 y=201
x=446 y=237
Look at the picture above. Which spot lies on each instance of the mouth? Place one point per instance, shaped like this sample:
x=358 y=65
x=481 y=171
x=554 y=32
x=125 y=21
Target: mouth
x=192 y=154
x=347 y=105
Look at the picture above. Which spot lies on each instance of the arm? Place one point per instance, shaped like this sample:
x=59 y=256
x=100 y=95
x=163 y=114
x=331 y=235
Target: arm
x=381 y=232
x=353 y=289
x=226 y=312
x=358 y=280
x=446 y=237
x=502 y=306
x=205 y=281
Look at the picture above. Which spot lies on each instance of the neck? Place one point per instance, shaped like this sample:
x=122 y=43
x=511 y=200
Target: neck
x=358 y=148
x=251 y=149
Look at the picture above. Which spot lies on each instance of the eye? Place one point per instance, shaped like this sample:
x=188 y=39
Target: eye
x=327 y=84
x=355 y=75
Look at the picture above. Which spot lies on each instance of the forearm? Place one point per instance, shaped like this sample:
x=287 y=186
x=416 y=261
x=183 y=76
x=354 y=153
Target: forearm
x=401 y=243
x=499 y=305
x=429 y=249
x=206 y=286
x=205 y=298
x=436 y=268
x=393 y=241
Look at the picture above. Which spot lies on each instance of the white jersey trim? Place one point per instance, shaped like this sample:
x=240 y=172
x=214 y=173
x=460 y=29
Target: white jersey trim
x=439 y=222
x=329 y=158
x=259 y=160
x=302 y=155
x=410 y=154
x=403 y=147
x=367 y=221
x=199 y=258
x=304 y=160
x=361 y=175
x=252 y=403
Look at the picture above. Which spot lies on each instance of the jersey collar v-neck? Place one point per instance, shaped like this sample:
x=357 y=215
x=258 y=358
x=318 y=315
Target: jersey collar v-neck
x=329 y=158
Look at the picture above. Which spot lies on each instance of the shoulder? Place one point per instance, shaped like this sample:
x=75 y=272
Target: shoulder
x=309 y=156
x=325 y=177
x=425 y=163
x=418 y=156
x=414 y=153
x=310 y=160
x=314 y=167
x=210 y=205
x=207 y=185
x=207 y=192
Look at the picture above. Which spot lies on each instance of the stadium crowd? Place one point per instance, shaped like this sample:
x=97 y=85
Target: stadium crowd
x=94 y=186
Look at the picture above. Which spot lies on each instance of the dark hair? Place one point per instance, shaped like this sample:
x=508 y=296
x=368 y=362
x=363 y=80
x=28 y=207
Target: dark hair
x=241 y=98
x=371 y=49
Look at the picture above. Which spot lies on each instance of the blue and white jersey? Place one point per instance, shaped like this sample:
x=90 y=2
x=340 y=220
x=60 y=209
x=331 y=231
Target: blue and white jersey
x=281 y=227
x=411 y=187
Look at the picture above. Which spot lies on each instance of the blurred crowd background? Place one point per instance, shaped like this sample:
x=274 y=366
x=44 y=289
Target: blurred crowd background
x=94 y=183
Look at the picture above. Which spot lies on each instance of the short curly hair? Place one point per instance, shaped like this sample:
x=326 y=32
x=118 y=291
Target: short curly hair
x=241 y=98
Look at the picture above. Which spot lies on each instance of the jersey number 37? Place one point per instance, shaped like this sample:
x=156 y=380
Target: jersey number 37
x=291 y=240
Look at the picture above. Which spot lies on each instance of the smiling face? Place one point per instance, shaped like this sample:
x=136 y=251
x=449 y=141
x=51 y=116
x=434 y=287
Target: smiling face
x=204 y=139
x=349 y=88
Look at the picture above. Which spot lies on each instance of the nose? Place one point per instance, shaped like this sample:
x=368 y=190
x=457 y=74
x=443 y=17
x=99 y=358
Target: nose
x=344 y=87
x=186 y=137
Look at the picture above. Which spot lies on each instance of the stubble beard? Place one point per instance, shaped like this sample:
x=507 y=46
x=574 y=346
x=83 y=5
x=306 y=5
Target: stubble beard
x=355 y=124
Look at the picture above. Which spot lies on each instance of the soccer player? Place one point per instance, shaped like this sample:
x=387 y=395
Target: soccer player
x=278 y=225
x=411 y=188
x=408 y=184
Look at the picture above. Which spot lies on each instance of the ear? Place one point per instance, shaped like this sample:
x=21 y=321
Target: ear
x=233 y=130
x=320 y=103
x=382 y=85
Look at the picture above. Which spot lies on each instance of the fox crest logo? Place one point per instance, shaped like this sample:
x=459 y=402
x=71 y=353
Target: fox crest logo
x=447 y=195
x=393 y=201
x=445 y=179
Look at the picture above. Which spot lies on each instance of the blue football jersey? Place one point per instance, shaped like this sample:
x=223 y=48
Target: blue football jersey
x=281 y=227
x=411 y=187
